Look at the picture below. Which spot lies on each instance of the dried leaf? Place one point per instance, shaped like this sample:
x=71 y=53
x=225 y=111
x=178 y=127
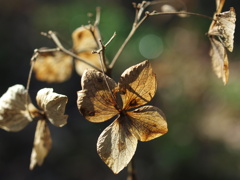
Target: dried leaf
x=53 y=105
x=90 y=58
x=95 y=101
x=147 y=123
x=116 y=145
x=42 y=144
x=53 y=67
x=219 y=60
x=14 y=115
x=137 y=85
x=83 y=39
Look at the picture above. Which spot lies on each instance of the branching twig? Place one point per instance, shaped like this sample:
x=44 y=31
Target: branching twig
x=137 y=22
x=55 y=39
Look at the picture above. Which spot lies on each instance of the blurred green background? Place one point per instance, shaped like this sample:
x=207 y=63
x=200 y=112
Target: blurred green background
x=203 y=115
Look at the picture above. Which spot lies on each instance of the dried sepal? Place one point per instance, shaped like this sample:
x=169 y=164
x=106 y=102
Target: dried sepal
x=221 y=35
x=15 y=109
x=226 y=27
x=95 y=101
x=219 y=60
x=147 y=123
x=53 y=105
x=53 y=67
x=116 y=145
x=90 y=58
x=42 y=144
x=85 y=38
x=137 y=85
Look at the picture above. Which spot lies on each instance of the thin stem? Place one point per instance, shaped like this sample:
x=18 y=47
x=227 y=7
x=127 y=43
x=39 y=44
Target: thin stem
x=101 y=53
x=154 y=13
x=135 y=27
x=60 y=46
x=131 y=171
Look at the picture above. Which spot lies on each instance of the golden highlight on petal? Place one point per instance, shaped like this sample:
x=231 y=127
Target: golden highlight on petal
x=90 y=58
x=42 y=144
x=147 y=123
x=53 y=67
x=95 y=101
x=83 y=39
x=116 y=146
x=53 y=105
x=137 y=85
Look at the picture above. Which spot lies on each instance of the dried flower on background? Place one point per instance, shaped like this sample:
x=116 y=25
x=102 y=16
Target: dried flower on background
x=102 y=99
x=57 y=66
x=221 y=35
x=16 y=111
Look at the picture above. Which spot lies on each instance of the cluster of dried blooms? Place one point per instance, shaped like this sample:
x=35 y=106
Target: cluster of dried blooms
x=101 y=98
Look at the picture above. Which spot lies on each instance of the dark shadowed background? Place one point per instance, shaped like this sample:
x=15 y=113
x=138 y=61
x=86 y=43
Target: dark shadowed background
x=203 y=115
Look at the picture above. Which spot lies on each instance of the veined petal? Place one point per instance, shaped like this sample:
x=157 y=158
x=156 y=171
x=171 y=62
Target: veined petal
x=96 y=101
x=14 y=115
x=42 y=144
x=116 y=145
x=147 y=123
x=137 y=85
x=219 y=59
x=53 y=105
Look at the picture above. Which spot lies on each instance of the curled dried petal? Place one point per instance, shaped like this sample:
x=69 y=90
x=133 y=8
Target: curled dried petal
x=53 y=105
x=42 y=144
x=14 y=115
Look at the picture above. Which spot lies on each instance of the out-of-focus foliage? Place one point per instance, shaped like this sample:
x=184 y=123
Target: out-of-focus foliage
x=203 y=116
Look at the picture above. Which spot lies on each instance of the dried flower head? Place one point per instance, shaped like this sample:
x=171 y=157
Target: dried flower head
x=101 y=99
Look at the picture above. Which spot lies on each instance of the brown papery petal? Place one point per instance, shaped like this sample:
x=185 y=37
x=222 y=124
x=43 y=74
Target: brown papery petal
x=42 y=144
x=14 y=115
x=219 y=59
x=83 y=39
x=116 y=146
x=226 y=27
x=53 y=67
x=96 y=101
x=90 y=58
x=53 y=105
x=137 y=85
x=147 y=123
